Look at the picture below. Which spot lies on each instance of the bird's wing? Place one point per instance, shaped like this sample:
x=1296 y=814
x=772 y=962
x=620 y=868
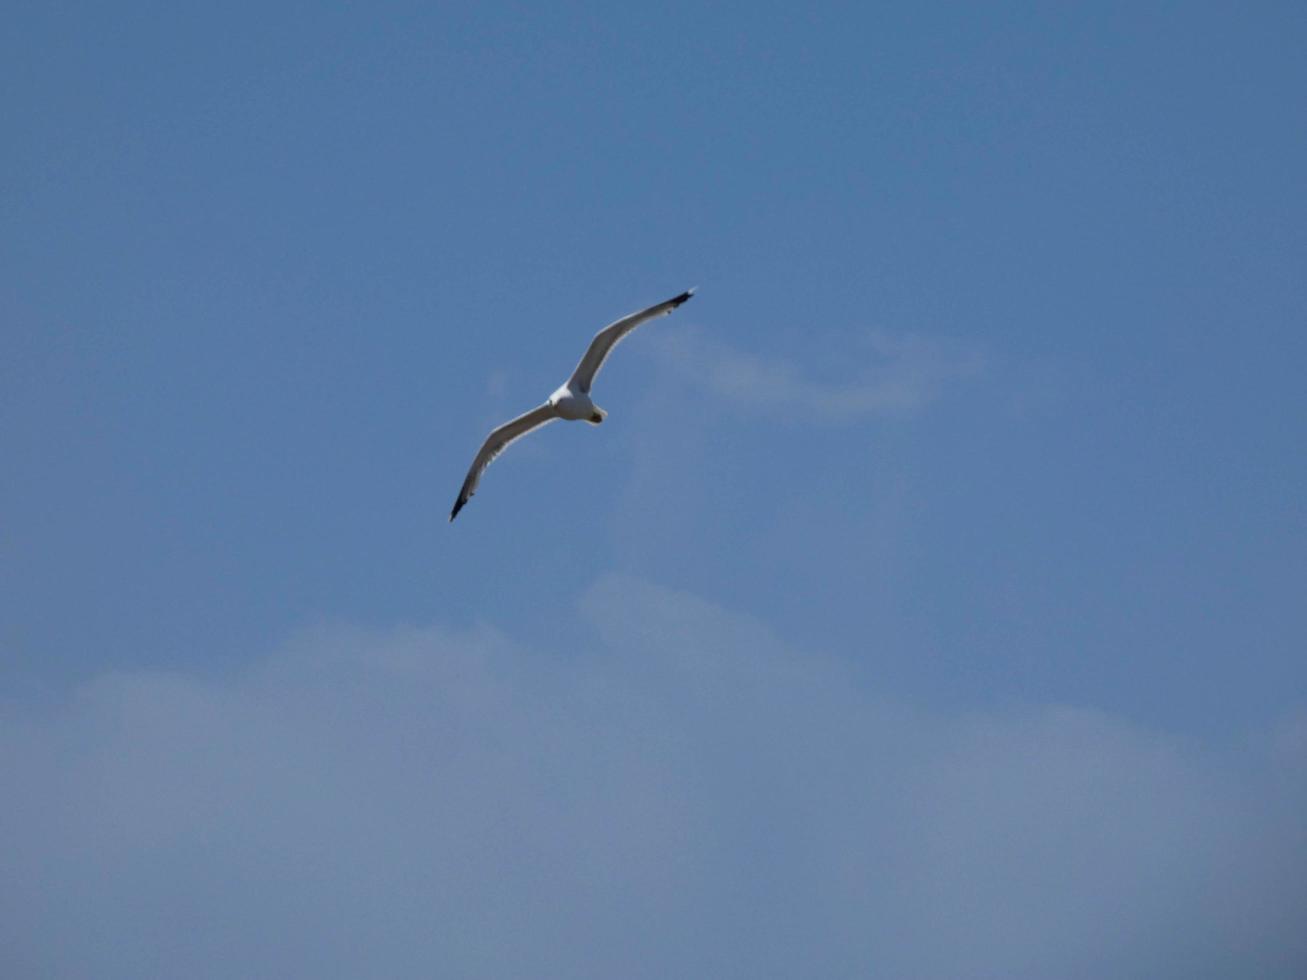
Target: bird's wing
x=607 y=338
x=496 y=443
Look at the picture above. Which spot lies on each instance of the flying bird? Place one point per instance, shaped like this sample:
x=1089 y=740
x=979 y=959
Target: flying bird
x=571 y=401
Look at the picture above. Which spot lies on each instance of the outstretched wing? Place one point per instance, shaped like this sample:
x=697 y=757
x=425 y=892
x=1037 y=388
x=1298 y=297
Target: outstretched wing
x=496 y=443
x=607 y=338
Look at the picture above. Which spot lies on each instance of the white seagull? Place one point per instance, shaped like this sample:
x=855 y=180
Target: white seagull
x=571 y=401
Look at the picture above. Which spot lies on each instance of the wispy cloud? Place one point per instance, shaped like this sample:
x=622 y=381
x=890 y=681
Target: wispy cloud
x=690 y=797
x=882 y=374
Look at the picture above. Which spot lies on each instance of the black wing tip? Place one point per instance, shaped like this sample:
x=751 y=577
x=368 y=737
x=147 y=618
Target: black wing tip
x=458 y=505
x=677 y=301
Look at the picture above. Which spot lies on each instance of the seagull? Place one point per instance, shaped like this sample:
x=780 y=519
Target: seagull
x=571 y=401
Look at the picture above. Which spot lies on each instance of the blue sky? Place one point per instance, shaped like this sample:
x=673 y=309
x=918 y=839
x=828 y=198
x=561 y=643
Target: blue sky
x=983 y=433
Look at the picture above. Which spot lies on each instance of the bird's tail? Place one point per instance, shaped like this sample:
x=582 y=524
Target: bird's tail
x=598 y=416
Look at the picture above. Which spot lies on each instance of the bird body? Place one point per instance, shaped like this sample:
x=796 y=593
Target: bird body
x=576 y=406
x=571 y=401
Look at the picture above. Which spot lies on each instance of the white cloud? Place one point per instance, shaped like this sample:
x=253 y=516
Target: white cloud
x=691 y=797
x=890 y=374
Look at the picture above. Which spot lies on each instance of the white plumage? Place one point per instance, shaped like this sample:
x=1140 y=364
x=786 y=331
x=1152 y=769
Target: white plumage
x=571 y=401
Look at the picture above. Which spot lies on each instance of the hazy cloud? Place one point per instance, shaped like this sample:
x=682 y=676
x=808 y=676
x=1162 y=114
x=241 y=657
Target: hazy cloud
x=687 y=797
x=885 y=374
x=497 y=383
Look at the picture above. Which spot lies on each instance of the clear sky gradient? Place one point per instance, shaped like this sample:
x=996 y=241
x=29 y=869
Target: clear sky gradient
x=931 y=601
